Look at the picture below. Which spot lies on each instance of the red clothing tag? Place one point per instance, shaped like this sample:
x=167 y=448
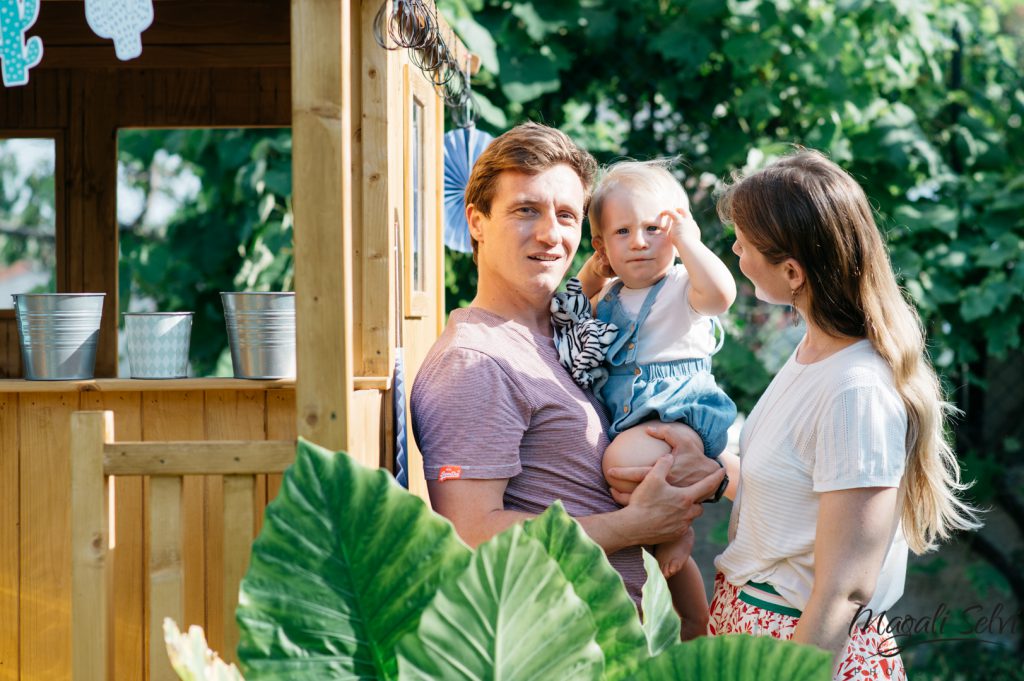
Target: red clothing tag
x=449 y=473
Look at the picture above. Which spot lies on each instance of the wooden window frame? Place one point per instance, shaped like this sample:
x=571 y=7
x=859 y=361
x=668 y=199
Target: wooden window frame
x=417 y=303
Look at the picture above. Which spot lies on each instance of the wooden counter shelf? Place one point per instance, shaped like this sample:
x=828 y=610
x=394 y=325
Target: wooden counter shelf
x=152 y=385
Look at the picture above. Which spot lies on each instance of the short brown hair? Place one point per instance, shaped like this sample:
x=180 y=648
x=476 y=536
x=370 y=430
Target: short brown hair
x=529 y=148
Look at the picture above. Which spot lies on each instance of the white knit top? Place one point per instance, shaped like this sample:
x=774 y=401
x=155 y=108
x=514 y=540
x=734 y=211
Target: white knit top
x=835 y=424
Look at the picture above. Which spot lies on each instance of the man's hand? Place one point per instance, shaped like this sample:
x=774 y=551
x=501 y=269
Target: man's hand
x=689 y=465
x=659 y=511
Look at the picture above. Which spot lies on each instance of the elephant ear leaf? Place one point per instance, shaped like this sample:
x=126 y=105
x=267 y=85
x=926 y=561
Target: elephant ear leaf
x=584 y=564
x=738 y=657
x=511 y=615
x=344 y=566
x=661 y=623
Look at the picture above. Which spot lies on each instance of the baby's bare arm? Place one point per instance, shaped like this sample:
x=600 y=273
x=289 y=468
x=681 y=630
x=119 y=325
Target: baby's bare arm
x=594 y=274
x=712 y=288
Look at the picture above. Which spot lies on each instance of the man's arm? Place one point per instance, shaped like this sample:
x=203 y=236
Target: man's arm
x=475 y=507
x=658 y=511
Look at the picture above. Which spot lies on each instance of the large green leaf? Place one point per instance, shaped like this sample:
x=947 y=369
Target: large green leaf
x=511 y=616
x=738 y=657
x=594 y=580
x=344 y=566
x=661 y=623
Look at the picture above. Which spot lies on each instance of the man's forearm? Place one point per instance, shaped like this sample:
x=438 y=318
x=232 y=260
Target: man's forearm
x=604 y=528
x=477 y=530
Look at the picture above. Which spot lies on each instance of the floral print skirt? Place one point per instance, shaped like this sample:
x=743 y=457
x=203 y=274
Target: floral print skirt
x=757 y=609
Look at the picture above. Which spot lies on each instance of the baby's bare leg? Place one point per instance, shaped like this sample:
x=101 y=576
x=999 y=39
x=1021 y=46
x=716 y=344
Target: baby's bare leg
x=630 y=448
x=672 y=556
x=690 y=601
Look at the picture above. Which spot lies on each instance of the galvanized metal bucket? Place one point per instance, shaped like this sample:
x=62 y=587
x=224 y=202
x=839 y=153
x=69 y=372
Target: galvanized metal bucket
x=59 y=333
x=261 y=333
x=158 y=343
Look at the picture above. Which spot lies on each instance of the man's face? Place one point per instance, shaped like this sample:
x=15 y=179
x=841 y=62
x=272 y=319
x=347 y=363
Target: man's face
x=527 y=243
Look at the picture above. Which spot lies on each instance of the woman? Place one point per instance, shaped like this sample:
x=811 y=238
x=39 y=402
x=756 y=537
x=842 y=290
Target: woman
x=845 y=463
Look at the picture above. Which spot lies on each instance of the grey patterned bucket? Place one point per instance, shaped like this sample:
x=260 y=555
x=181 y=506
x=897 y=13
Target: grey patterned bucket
x=158 y=343
x=261 y=333
x=59 y=333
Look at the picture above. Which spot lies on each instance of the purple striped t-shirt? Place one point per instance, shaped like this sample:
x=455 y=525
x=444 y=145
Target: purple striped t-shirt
x=492 y=399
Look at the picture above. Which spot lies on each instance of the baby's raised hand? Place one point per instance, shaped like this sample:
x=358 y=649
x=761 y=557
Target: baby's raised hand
x=680 y=225
x=600 y=266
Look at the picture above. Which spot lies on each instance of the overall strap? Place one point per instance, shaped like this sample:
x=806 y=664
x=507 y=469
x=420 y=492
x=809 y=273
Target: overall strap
x=717 y=334
x=648 y=303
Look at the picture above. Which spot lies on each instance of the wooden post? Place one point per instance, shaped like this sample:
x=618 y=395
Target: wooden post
x=238 y=536
x=166 y=571
x=322 y=197
x=381 y=191
x=91 y=256
x=89 y=603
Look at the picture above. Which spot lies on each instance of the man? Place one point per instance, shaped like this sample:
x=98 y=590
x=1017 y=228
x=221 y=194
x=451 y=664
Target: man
x=503 y=429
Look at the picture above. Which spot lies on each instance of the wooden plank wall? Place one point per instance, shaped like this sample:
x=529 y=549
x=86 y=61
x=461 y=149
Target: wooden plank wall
x=10 y=351
x=34 y=517
x=10 y=550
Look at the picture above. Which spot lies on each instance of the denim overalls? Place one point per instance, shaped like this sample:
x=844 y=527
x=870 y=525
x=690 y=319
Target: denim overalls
x=679 y=390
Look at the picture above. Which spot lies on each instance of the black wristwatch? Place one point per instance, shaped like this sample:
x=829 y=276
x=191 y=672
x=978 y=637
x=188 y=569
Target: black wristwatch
x=720 y=492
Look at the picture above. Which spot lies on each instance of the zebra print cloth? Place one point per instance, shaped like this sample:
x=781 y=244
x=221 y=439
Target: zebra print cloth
x=581 y=339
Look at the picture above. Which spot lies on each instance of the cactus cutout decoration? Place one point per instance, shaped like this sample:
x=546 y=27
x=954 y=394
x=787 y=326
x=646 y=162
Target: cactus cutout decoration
x=123 y=21
x=16 y=54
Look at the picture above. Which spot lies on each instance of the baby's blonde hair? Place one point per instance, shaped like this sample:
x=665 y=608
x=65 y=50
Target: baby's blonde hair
x=653 y=176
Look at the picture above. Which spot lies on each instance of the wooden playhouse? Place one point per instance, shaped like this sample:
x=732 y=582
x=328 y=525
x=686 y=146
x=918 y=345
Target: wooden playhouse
x=369 y=275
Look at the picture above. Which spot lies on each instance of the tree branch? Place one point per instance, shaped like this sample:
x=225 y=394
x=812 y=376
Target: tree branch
x=24 y=232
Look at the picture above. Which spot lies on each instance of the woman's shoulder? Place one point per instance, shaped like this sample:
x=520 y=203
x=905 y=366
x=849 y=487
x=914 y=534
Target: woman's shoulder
x=859 y=373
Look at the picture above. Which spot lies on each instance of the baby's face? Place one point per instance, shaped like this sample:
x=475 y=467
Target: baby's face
x=636 y=243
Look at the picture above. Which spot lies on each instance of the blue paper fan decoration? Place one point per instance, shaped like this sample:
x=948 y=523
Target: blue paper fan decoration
x=461 y=149
x=401 y=437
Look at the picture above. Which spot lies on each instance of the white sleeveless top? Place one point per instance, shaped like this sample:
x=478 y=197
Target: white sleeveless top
x=835 y=424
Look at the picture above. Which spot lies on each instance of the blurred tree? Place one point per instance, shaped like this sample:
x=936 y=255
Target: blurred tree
x=233 y=234
x=27 y=205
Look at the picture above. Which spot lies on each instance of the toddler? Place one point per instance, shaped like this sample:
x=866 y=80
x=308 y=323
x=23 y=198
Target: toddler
x=658 y=364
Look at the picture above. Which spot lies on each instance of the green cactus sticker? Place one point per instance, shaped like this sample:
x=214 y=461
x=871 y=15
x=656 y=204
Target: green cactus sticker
x=17 y=55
